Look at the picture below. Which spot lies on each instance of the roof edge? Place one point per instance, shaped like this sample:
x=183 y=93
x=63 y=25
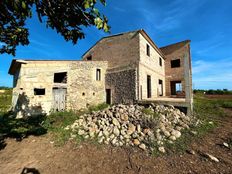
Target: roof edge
x=14 y=64
x=143 y=32
x=113 y=35
x=184 y=41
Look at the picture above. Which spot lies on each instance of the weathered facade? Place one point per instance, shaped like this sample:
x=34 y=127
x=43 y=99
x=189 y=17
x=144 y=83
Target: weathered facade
x=45 y=86
x=130 y=66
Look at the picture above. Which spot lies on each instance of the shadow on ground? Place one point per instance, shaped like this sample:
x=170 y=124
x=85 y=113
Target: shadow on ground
x=12 y=127
x=27 y=170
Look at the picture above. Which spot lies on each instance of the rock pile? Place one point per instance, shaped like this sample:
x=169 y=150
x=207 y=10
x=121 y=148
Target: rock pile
x=132 y=125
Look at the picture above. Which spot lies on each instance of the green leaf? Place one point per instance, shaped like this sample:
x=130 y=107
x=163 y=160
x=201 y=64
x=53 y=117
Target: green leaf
x=96 y=11
x=24 y=5
x=98 y=22
x=86 y=4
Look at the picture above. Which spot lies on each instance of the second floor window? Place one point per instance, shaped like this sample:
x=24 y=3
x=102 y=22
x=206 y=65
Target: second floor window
x=89 y=57
x=175 y=63
x=60 y=77
x=148 y=50
x=98 y=74
x=160 y=61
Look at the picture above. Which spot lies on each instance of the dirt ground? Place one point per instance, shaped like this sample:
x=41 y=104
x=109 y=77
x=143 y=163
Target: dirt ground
x=41 y=156
x=219 y=96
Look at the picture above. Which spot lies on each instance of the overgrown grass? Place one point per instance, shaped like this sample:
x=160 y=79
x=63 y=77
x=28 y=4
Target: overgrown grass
x=57 y=122
x=98 y=107
x=208 y=111
x=20 y=128
x=5 y=100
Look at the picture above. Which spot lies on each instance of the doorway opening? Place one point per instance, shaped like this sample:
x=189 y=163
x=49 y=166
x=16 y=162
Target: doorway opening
x=59 y=99
x=176 y=87
x=148 y=86
x=108 y=96
x=160 y=88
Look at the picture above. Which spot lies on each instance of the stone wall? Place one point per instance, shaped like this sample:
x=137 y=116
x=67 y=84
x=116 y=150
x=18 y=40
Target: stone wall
x=36 y=74
x=83 y=88
x=149 y=65
x=120 y=50
x=81 y=78
x=122 y=85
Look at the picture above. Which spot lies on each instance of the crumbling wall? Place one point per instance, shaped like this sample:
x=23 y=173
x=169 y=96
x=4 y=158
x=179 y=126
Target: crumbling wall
x=81 y=78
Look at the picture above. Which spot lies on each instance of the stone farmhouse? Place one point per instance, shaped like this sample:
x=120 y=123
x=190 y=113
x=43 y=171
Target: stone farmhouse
x=123 y=68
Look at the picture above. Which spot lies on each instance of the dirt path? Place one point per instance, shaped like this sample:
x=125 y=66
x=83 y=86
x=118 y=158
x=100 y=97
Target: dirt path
x=40 y=154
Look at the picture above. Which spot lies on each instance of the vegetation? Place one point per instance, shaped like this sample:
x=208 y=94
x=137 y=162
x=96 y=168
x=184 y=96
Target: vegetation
x=98 y=107
x=39 y=125
x=4 y=88
x=66 y=17
x=208 y=111
x=211 y=91
x=5 y=100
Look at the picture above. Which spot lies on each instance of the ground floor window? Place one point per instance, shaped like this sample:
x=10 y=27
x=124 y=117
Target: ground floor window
x=39 y=91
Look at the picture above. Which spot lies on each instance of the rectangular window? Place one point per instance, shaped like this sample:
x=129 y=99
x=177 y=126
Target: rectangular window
x=160 y=61
x=89 y=57
x=175 y=63
x=98 y=74
x=39 y=91
x=148 y=50
x=60 y=77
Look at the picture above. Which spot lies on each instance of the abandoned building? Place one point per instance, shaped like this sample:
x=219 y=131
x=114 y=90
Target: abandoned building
x=123 y=68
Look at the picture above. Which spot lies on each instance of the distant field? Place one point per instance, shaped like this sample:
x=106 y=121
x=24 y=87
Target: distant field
x=5 y=100
x=216 y=96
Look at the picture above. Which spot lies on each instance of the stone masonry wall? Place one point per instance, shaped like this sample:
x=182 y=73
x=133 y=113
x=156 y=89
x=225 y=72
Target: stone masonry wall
x=81 y=78
x=120 y=51
x=122 y=85
x=37 y=74
x=149 y=65
x=83 y=88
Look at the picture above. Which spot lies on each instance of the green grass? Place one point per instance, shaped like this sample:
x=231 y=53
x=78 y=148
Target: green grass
x=56 y=122
x=208 y=111
x=98 y=107
x=5 y=100
x=20 y=128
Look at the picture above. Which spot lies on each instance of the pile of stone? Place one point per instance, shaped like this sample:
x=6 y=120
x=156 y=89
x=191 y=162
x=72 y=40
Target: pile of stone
x=132 y=125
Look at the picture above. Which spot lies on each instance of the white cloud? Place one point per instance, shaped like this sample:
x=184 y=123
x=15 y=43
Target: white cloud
x=213 y=74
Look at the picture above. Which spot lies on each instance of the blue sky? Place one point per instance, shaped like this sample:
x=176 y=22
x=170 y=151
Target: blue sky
x=207 y=23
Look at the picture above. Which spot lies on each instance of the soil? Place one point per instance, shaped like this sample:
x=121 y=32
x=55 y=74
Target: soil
x=39 y=155
x=217 y=96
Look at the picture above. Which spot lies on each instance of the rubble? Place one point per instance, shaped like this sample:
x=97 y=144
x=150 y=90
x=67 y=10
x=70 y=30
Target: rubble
x=133 y=125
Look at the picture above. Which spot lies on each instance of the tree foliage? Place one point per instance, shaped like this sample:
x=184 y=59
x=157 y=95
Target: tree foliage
x=213 y=91
x=67 y=17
